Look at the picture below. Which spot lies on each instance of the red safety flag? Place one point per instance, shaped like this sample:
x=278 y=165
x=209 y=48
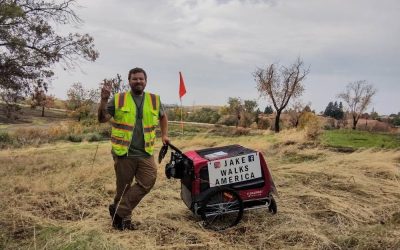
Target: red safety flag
x=182 y=89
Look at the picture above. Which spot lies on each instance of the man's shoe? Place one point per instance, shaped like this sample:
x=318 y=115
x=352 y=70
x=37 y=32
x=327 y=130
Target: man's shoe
x=116 y=219
x=127 y=225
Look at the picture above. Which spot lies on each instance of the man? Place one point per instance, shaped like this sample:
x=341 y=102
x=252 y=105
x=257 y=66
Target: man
x=135 y=116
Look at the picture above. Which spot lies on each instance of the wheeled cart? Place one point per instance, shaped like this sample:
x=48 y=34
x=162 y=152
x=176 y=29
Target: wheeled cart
x=219 y=183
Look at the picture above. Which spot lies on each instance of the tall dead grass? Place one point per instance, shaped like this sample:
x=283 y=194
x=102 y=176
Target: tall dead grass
x=66 y=130
x=54 y=197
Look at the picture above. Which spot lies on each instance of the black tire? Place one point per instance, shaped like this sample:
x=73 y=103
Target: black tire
x=273 y=207
x=221 y=208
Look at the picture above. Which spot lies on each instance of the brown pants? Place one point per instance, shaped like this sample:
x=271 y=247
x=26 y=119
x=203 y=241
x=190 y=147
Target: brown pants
x=145 y=172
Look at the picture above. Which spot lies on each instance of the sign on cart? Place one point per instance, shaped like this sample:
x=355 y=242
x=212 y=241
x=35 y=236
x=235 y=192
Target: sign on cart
x=235 y=169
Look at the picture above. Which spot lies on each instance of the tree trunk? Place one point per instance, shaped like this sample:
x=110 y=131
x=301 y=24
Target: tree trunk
x=277 y=118
x=354 y=123
x=42 y=111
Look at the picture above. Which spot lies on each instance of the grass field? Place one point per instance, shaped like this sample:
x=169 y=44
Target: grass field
x=55 y=196
x=360 y=139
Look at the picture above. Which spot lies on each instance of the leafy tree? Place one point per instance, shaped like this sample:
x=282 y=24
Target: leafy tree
x=268 y=110
x=334 y=110
x=280 y=84
x=30 y=46
x=41 y=99
x=81 y=101
x=396 y=121
x=249 y=106
x=235 y=108
x=329 y=109
x=358 y=96
x=204 y=115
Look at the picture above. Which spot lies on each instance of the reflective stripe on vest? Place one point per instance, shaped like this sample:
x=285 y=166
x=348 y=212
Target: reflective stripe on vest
x=125 y=119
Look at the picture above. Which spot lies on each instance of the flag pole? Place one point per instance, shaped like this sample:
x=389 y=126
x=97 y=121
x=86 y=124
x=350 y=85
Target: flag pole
x=181 y=116
x=182 y=92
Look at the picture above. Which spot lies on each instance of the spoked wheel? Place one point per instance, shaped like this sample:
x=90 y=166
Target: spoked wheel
x=222 y=208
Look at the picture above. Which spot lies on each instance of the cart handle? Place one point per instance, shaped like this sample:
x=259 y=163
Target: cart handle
x=173 y=147
x=164 y=149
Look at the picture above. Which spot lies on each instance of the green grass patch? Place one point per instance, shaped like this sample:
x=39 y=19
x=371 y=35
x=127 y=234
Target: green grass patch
x=360 y=139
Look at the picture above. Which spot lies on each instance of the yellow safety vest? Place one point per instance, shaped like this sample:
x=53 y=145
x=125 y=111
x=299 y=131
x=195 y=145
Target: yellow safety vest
x=125 y=119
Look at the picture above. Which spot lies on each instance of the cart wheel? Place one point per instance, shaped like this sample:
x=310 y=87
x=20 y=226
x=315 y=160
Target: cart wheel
x=222 y=208
x=273 y=207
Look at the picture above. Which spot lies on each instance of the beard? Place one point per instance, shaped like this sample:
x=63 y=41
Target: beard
x=137 y=89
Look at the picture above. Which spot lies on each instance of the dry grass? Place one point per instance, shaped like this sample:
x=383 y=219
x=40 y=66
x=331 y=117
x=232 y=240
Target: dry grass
x=54 y=197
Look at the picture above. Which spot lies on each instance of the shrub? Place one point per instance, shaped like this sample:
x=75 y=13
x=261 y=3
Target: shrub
x=241 y=131
x=246 y=119
x=31 y=136
x=313 y=129
x=330 y=123
x=5 y=139
x=74 y=138
x=305 y=119
x=380 y=127
x=93 y=137
x=254 y=125
x=264 y=123
x=58 y=131
x=229 y=120
x=105 y=130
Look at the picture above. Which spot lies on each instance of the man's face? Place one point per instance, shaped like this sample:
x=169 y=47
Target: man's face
x=137 y=82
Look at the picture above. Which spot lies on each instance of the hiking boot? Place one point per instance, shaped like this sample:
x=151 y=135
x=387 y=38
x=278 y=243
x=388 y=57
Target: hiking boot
x=127 y=225
x=116 y=219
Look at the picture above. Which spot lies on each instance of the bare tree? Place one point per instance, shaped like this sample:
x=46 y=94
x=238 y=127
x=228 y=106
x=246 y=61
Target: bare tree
x=116 y=84
x=280 y=84
x=358 y=96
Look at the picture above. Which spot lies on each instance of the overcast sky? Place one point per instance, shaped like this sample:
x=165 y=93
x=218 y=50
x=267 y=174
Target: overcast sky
x=218 y=44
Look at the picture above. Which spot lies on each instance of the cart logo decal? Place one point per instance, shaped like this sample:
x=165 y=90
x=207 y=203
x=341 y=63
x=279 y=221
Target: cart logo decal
x=251 y=158
x=234 y=169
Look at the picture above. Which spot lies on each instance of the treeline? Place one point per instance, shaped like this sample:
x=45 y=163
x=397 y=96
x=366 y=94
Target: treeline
x=242 y=113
